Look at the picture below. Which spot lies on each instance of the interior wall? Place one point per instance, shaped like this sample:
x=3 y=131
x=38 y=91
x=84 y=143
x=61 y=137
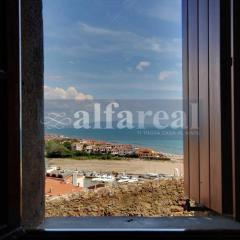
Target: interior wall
x=3 y=145
x=33 y=169
x=235 y=11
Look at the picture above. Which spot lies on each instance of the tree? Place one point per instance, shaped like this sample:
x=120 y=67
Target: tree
x=68 y=145
x=54 y=149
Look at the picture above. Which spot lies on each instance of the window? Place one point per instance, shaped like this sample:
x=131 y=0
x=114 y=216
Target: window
x=113 y=108
x=32 y=130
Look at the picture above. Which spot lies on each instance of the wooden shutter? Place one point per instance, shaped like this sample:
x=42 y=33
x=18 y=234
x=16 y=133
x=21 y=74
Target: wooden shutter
x=207 y=84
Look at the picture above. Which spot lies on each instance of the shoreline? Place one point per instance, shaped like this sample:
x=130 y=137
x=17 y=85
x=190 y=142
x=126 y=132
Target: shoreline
x=132 y=166
x=171 y=156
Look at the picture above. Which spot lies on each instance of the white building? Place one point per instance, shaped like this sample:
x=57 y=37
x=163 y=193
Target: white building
x=89 y=148
x=77 y=146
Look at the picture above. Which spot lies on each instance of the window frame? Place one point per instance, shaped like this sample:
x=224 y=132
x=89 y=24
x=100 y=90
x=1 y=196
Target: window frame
x=13 y=224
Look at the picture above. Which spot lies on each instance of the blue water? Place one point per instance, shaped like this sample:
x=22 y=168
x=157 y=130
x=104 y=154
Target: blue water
x=168 y=141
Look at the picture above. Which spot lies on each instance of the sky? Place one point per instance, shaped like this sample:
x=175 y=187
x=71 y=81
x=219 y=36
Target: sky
x=112 y=49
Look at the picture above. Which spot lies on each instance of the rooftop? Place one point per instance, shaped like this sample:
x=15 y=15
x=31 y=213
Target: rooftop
x=57 y=187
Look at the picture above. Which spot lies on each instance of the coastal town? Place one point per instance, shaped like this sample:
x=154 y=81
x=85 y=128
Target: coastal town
x=64 y=179
x=88 y=193
x=84 y=176
x=90 y=146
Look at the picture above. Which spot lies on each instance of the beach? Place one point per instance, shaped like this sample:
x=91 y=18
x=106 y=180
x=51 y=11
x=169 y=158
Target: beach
x=130 y=166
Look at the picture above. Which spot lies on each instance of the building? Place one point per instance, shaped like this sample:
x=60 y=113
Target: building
x=89 y=148
x=147 y=153
x=77 y=146
x=58 y=187
x=67 y=176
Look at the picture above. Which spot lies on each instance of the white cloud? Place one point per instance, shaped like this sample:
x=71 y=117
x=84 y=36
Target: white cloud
x=97 y=30
x=143 y=64
x=89 y=39
x=166 y=74
x=69 y=93
x=54 y=77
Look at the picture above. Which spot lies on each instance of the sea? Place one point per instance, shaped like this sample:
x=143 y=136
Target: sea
x=164 y=140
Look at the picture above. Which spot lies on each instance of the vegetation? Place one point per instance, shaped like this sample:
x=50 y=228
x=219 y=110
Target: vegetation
x=87 y=156
x=68 y=145
x=63 y=149
x=56 y=149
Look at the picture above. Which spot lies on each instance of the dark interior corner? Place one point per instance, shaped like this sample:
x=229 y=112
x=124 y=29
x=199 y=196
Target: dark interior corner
x=211 y=64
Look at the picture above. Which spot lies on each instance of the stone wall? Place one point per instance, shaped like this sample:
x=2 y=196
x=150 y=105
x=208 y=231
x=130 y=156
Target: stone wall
x=33 y=169
x=144 y=199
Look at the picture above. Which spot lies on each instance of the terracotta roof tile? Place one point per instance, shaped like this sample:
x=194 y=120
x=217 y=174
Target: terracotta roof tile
x=57 y=187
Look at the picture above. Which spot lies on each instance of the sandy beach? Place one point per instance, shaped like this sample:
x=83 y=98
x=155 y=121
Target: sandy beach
x=134 y=166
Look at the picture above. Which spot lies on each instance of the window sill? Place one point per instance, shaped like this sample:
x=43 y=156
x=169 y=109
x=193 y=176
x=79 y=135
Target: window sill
x=138 y=224
x=142 y=228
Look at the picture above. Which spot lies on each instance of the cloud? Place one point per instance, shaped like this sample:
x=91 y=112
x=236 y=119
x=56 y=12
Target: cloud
x=53 y=77
x=91 y=39
x=166 y=74
x=143 y=64
x=97 y=30
x=69 y=93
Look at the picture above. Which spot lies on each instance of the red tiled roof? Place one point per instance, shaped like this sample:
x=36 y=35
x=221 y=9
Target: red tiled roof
x=57 y=187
